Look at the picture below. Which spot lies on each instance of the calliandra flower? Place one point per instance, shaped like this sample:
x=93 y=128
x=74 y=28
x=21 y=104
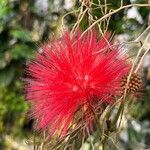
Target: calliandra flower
x=71 y=74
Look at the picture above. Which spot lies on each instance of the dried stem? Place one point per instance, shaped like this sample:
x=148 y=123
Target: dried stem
x=80 y=17
x=142 y=58
x=113 y=12
x=63 y=17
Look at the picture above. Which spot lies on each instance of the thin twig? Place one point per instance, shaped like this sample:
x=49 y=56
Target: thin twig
x=138 y=38
x=63 y=17
x=80 y=17
x=112 y=141
x=141 y=60
x=113 y=12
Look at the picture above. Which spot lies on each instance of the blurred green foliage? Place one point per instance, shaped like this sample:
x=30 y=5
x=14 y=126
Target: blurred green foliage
x=22 y=27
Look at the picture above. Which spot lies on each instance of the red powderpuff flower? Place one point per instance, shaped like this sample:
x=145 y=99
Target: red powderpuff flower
x=68 y=74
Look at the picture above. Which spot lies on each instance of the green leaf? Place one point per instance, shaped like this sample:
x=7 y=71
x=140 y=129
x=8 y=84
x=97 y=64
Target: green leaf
x=6 y=76
x=1 y=28
x=2 y=61
x=21 y=35
x=4 y=8
x=21 y=51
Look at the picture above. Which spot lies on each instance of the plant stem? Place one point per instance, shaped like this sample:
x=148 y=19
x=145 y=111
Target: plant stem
x=96 y=119
x=105 y=140
x=120 y=110
x=121 y=107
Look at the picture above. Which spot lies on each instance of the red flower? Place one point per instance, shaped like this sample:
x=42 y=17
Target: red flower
x=67 y=75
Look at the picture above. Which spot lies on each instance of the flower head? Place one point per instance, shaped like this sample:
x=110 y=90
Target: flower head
x=73 y=74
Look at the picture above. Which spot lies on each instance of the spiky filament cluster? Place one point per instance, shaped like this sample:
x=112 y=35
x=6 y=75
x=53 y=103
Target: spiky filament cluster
x=72 y=79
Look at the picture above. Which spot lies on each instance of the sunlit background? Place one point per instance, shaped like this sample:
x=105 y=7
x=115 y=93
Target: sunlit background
x=24 y=24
